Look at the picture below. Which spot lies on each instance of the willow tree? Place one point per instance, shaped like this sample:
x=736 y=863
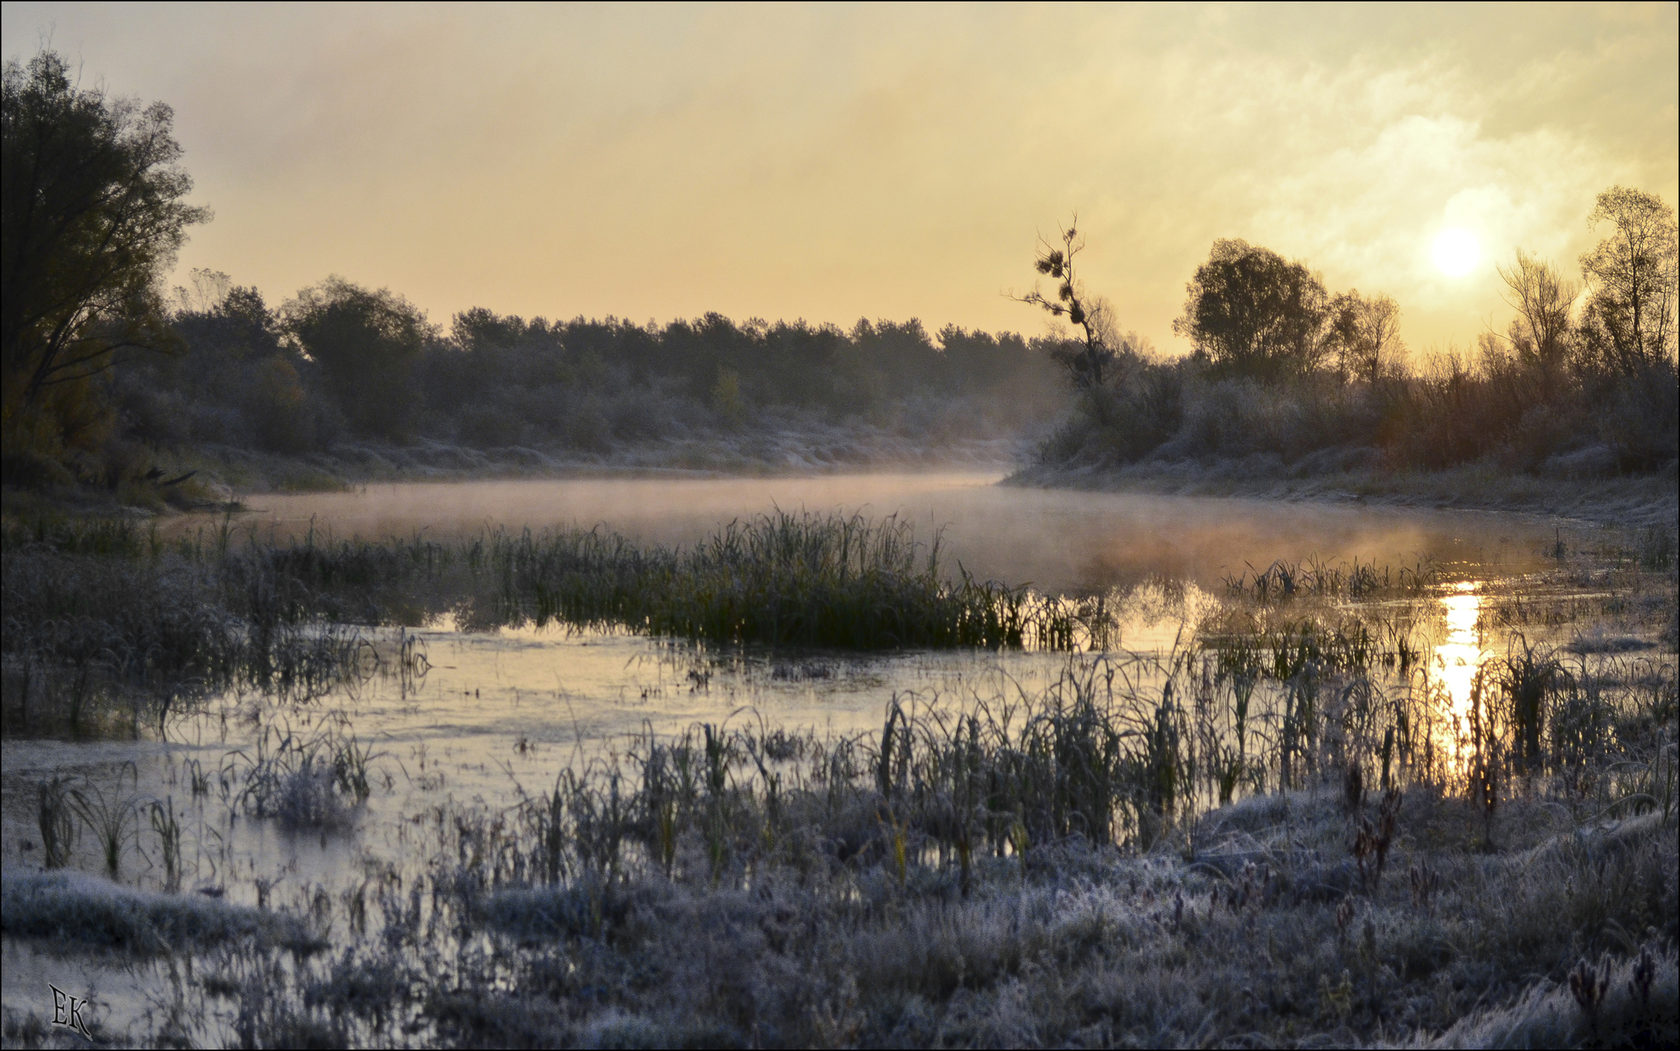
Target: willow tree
x=94 y=213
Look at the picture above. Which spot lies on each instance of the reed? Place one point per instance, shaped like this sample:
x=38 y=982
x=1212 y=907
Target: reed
x=781 y=579
x=313 y=781
x=56 y=820
x=113 y=819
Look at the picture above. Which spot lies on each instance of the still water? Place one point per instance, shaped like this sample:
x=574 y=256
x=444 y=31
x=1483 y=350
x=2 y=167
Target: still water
x=1060 y=541
x=482 y=721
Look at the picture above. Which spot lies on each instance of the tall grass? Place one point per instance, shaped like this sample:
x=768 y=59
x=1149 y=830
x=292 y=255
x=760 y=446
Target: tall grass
x=156 y=625
x=779 y=579
x=1100 y=858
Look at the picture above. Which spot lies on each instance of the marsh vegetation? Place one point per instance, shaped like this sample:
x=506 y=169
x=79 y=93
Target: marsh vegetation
x=1081 y=769
x=808 y=780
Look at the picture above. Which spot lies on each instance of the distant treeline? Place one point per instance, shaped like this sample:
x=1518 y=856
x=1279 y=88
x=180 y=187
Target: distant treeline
x=1456 y=410
x=341 y=362
x=106 y=380
x=1287 y=378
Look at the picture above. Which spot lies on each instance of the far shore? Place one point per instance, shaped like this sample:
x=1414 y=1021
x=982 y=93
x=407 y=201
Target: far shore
x=1643 y=501
x=226 y=479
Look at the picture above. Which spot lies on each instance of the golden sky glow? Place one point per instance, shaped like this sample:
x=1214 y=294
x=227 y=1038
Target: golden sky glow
x=838 y=162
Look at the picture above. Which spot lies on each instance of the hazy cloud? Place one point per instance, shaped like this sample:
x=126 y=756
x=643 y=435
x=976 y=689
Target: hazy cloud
x=836 y=162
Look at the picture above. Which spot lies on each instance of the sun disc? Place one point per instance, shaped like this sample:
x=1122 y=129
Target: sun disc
x=1456 y=251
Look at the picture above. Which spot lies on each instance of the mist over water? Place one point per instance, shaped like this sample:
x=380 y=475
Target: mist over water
x=492 y=719
x=1057 y=540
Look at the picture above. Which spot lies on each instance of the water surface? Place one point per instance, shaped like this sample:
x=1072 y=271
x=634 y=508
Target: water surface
x=486 y=720
x=1061 y=541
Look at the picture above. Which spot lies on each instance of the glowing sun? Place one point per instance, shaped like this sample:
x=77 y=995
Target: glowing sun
x=1456 y=251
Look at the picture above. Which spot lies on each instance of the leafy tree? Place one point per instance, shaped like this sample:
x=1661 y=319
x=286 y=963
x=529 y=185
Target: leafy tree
x=93 y=215
x=1250 y=311
x=1363 y=334
x=1630 y=320
x=365 y=344
x=1088 y=365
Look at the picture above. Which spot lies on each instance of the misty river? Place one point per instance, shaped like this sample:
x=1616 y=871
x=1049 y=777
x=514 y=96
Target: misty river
x=488 y=719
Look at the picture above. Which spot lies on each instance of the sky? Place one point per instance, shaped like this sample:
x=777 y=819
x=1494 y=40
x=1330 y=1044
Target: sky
x=837 y=162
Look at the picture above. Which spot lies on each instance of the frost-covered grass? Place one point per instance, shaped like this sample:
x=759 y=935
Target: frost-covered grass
x=1265 y=837
x=1254 y=928
x=1024 y=868
x=148 y=623
x=76 y=908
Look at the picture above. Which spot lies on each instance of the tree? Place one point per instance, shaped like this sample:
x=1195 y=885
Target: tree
x=1363 y=334
x=93 y=215
x=365 y=344
x=1630 y=320
x=1250 y=311
x=1089 y=365
x=1540 y=335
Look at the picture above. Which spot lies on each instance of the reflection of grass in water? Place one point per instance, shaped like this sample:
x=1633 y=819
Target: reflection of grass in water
x=802 y=580
x=302 y=782
x=1022 y=865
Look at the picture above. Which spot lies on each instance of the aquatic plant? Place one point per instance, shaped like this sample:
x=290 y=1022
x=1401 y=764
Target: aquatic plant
x=56 y=819
x=113 y=819
x=312 y=781
x=1526 y=676
x=782 y=579
x=167 y=826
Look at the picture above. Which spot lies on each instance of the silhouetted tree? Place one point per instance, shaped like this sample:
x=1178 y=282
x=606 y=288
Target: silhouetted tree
x=93 y=214
x=1252 y=312
x=1363 y=334
x=365 y=344
x=1630 y=320
x=1089 y=364
x=1540 y=334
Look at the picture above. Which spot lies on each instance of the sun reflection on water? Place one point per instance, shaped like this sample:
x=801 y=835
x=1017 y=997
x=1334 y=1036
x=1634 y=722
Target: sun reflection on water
x=1459 y=655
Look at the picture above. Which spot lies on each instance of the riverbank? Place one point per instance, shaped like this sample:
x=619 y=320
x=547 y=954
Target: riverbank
x=1647 y=501
x=1013 y=850
x=218 y=477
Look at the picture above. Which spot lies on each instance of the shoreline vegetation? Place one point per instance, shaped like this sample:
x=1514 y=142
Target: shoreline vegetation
x=1292 y=828
x=1280 y=806
x=1650 y=501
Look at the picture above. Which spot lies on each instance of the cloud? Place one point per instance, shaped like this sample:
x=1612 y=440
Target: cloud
x=832 y=162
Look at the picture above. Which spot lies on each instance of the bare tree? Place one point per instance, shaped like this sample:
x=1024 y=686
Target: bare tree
x=1540 y=335
x=1364 y=333
x=1089 y=367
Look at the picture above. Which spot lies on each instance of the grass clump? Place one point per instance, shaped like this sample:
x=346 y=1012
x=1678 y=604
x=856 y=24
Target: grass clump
x=303 y=782
x=82 y=909
x=782 y=579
